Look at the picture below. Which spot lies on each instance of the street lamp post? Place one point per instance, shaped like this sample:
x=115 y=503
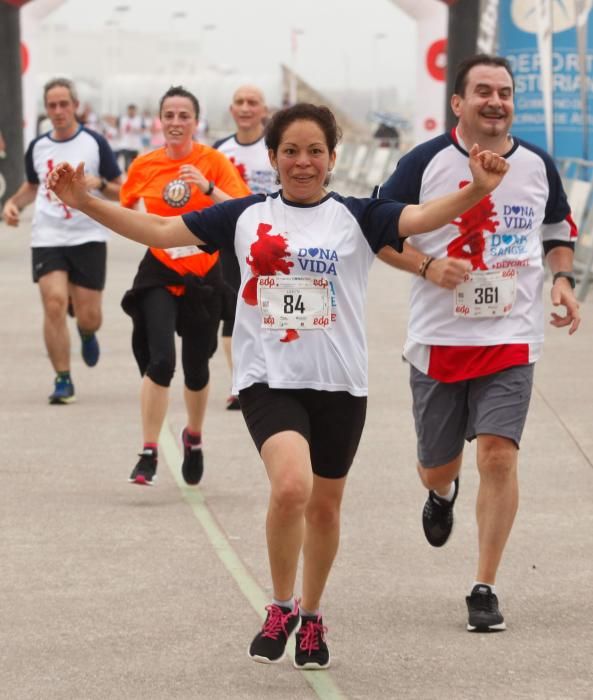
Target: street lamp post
x=292 y=90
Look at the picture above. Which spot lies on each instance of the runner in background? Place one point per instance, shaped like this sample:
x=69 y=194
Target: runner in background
x=245 y=148
x=130 y=135
x=476 y=323
x=69 y=250
x=179 y=289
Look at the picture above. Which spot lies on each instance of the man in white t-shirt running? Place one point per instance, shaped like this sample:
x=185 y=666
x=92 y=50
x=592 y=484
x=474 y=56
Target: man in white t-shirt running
x=247 y=150
x=131 y=129
x=476 y=324
x=69 y=249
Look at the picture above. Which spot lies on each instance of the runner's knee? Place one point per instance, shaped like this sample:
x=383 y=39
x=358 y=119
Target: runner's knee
x=55 y=306
x=323 y=515
x=497 y=457
x=161 y=372
x=441 y=476
x=198 y=378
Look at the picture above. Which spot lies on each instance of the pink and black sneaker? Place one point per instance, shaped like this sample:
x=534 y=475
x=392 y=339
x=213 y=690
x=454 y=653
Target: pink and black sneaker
x=269 y=644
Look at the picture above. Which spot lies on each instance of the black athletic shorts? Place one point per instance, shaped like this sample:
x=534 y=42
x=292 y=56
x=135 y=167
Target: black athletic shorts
x=85 y=263
x=330 y=421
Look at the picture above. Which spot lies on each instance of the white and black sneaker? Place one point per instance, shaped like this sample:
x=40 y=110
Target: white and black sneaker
x=484 y=615
x=437 y=517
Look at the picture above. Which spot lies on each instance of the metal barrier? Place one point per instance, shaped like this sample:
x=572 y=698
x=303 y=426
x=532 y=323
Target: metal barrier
x=577 y=177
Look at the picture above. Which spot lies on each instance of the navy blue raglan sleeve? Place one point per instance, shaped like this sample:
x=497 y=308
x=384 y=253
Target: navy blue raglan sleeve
x=108 y=167
x=216 y=225
x=378 y=220
x=404 y=183
x=30 y=172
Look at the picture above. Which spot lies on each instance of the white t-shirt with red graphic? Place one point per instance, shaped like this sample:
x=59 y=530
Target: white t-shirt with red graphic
x=508 y=230
x=55 y=224
x=252 y=162
x=331 y=246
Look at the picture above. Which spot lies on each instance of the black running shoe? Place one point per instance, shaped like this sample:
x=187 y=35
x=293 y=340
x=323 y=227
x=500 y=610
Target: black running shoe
x=484 y=615
x=144 y=473
x=311 y=651
x=437 y=517
x=192 y=468
x=269 y=645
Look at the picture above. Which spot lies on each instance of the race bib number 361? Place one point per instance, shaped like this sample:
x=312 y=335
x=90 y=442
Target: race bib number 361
x=299 y=303
x=486 y=293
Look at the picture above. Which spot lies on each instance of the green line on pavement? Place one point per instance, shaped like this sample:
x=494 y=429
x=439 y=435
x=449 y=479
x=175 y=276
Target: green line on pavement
x=320 y=681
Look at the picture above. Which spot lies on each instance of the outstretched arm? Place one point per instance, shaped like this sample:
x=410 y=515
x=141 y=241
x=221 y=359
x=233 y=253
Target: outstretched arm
x=152 y=230
x=487 y=168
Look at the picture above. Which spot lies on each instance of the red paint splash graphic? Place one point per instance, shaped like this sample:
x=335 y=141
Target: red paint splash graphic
x=472 y=225
x=267 y=257
x=67 y=212
x=240 y=167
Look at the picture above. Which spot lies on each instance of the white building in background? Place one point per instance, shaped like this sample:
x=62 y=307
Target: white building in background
x=113 y=68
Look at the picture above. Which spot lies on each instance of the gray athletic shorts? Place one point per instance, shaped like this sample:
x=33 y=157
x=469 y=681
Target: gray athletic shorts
x=446 y=414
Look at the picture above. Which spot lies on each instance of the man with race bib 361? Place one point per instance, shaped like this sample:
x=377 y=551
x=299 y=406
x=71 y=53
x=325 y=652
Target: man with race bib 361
x=476 y=323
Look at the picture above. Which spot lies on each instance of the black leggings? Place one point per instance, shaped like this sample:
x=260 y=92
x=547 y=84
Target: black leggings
x=160 y=309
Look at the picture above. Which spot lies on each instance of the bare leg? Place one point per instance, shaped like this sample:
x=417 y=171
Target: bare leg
x=497 y=502
x=226 y=344
x=439 y=479
x=322 y=537
x=154 y=400
x=54 y=297
x=87 y=307
x=195 y=404
x=288 y=464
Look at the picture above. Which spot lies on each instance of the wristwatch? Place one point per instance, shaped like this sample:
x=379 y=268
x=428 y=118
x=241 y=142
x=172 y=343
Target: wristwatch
x=210 y=189
x=103 y=184
x=568 y=276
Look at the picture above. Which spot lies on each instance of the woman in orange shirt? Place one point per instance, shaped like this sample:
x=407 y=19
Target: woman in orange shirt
x=176 y=289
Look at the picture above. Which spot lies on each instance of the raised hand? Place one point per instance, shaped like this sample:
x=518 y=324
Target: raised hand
x=487 y=168
x=194 y=176
x=69 y=185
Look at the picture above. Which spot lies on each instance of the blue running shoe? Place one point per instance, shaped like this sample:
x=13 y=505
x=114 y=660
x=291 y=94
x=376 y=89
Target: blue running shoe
x=63 y=392
x=89 y=348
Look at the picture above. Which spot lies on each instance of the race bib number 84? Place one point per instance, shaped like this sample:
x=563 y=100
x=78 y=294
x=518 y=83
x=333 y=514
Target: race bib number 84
x=299 y=303
x=488 y=293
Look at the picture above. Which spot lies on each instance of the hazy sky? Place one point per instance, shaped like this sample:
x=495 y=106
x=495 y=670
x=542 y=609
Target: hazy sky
x=340 y=43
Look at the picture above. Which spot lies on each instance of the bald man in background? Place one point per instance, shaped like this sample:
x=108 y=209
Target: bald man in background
x=247 y=150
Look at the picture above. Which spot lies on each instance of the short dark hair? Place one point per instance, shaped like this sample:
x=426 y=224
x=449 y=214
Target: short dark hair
x=179 y=91
x=60 y=82
x=480 y=59
x=321 y=115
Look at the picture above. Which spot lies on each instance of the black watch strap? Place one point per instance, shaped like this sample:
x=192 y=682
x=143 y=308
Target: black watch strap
x=566 y=275
x=210 y=189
